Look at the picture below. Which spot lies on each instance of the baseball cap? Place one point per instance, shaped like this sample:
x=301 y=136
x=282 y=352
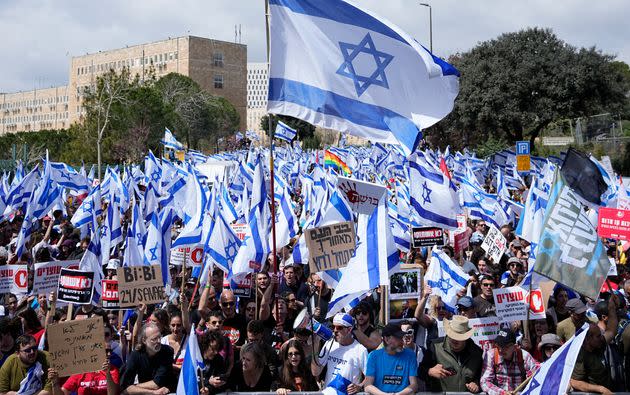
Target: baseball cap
x=514 y=260
x=576 y=306
x=465 y=302
x=343 y=319
x=505 y=337
x=516 y=243
x=393 y=330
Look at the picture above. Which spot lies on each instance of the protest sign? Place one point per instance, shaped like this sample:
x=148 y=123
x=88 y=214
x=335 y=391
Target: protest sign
x=494 y=244
x=77 y=346
x=75 y=286
x=401 y=309
x=140 y=284
x=193 y=257
x=405 y=284
x=330 y=247
x=485 y=330
x=14 y=279
x=240 y=230
x=512 y=303
x=109 y=296
x=613 y=223
x=427 y=236
x=46 y=277
x=363 y=196
x=242 y=286
x=460 y=238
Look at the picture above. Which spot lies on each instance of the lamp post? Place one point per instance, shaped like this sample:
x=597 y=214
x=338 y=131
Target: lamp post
x=430 y=26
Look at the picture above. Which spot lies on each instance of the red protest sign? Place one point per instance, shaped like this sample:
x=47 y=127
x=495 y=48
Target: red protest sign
x=614 y=223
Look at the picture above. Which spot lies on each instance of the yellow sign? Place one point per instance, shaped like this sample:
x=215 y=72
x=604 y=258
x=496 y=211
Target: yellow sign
x=181 y=155
x=523 y=163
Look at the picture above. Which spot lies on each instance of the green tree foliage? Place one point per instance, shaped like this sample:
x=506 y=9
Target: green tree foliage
x=517 y=84
x=305 y=131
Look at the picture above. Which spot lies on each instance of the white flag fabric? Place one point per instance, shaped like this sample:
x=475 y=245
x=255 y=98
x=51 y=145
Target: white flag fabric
x=193 y=361
x=284 y=132
x=340 y=67
x=445 y=277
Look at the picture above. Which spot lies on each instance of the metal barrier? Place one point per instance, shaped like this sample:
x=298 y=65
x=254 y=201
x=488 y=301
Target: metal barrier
x=365 y=393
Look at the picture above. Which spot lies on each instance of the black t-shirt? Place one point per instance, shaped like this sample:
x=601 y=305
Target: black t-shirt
x=235 y=329
x=213 y=367
x=159 y=368
x=236 y=381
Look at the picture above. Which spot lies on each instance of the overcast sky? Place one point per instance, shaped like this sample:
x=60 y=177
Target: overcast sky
x=38 y=37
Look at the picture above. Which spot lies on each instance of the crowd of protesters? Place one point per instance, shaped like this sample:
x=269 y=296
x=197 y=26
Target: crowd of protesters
x=257 y=343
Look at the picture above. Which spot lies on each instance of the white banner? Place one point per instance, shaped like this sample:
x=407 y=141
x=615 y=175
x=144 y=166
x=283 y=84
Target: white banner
x=46 y=277
x=362 y=196
x=512 y=302
x=494 y=244
x=14 y=279
x=484 y=330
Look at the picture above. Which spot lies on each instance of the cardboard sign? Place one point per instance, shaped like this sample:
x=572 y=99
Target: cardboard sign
x=140 y=284
x=512 y=303
x=427 y=236
x=109 y=296
x=46 y=277
x=330 y=247
x=14 y=279
x=75 y=286
x=362 y=196
x=240 y=230
x=193 y=257
x=494 y=244
x=485 y=330
x=77 y=346
x=243 y=286
x=613 y=223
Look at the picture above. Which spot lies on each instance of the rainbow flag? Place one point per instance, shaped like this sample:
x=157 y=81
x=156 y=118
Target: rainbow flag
x=333 y=160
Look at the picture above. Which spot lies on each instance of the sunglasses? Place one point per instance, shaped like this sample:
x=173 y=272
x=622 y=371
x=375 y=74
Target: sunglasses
x=409 y=332
x=487 y=284
x=362 y=312
x=294 y=354
x=227 y=304
x=29 y=350
x=339 y=327
x=250 y=308
x=554 y=348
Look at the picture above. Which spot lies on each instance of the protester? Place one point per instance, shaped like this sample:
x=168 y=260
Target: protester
x=250 y=374
x=549 y=343
x=214 y=367
x=566 y=328
x=466 y=307
x=26 y=370
x=507 y=366
x=234 y=324
x=453 y=363
x=590 y=373
x=484 y=303
x=31 y=324
x=103 y=382
x=7 y=339
x=364 y=331
x=343 y=357
x=392 y=369
x=295 y=374
x=559 y=312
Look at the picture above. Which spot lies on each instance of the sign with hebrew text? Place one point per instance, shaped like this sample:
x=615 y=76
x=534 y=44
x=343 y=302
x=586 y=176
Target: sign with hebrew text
x=77 y=346
x=331 y=246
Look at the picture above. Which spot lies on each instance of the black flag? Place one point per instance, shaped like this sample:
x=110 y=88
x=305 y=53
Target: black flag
x=583 y=176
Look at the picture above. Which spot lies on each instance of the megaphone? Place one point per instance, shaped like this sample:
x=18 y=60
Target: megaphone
x=303 y=320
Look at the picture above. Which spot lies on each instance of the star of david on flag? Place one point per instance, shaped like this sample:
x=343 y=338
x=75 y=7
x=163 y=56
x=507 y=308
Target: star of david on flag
x=445 y=277
x=337 y=66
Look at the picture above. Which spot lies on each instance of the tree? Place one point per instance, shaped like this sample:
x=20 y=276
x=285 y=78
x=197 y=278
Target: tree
x=304 y=129
x=517 y=84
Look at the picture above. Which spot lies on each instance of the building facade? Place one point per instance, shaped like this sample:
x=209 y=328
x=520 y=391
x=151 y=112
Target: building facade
x=257 y=92
x=219 y=67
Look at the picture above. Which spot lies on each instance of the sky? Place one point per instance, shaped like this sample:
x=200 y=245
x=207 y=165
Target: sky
x=40 y=36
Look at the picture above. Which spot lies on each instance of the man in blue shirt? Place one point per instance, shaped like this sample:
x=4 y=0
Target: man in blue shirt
x=393 y=368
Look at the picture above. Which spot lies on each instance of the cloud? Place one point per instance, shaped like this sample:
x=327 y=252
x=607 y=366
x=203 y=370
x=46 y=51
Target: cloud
x=40 y=36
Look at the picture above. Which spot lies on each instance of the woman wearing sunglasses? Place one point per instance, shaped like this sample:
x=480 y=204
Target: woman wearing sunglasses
x=295 y=374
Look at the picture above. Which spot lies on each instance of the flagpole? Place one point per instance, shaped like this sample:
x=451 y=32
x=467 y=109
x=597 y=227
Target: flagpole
x=271 y=170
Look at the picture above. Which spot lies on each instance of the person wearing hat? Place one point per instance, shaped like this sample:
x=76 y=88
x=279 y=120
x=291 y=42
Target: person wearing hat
x=566 y=328
x=506 y=366
x=393 y=368
x=513 y=275
x=453 y=363
x=343 y=356
x=549 y=343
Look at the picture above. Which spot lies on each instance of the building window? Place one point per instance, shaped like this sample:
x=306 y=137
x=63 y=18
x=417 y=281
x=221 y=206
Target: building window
x=218 y=81
x=218 y=59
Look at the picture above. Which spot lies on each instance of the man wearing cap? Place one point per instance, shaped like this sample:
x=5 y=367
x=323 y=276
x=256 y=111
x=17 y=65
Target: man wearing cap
x=453 y=363
x=507 y=366
x=466 y=307
x=566 y=328
x=343 y=356
x=392 y=369
x=513 y=275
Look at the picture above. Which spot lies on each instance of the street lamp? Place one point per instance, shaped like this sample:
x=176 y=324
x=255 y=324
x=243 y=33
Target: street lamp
x=430 y=26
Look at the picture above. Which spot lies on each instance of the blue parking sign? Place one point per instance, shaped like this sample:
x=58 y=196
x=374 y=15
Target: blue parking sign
x=522 y=148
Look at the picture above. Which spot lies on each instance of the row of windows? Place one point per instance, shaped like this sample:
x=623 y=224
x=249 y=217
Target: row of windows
x=34 y=118
x=34 y=102
x=135 y=62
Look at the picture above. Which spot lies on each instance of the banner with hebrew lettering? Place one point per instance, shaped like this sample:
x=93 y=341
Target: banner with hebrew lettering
x=331 y=246
x=570 y=251
x=363 y=196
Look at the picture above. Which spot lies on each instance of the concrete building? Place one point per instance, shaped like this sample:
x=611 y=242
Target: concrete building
x=219 y=67
x=257 y=92
x=35 y=110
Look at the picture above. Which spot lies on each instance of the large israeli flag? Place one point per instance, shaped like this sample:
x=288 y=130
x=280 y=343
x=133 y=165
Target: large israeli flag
x=554 y=374
x=340 y=67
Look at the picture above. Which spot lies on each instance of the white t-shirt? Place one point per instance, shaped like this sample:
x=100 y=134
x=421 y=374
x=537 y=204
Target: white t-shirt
x=348 y=361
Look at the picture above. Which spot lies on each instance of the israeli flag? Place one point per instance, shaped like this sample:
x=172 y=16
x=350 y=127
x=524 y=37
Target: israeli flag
x=446 y=278
x=340 y=67
x=376 y=256
x=170 y=141
x=193 y=362
x=284 y=132
x=433 y=195
x=134 y=249
x=221 y=247
x=555 y=373
x=91 y=262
